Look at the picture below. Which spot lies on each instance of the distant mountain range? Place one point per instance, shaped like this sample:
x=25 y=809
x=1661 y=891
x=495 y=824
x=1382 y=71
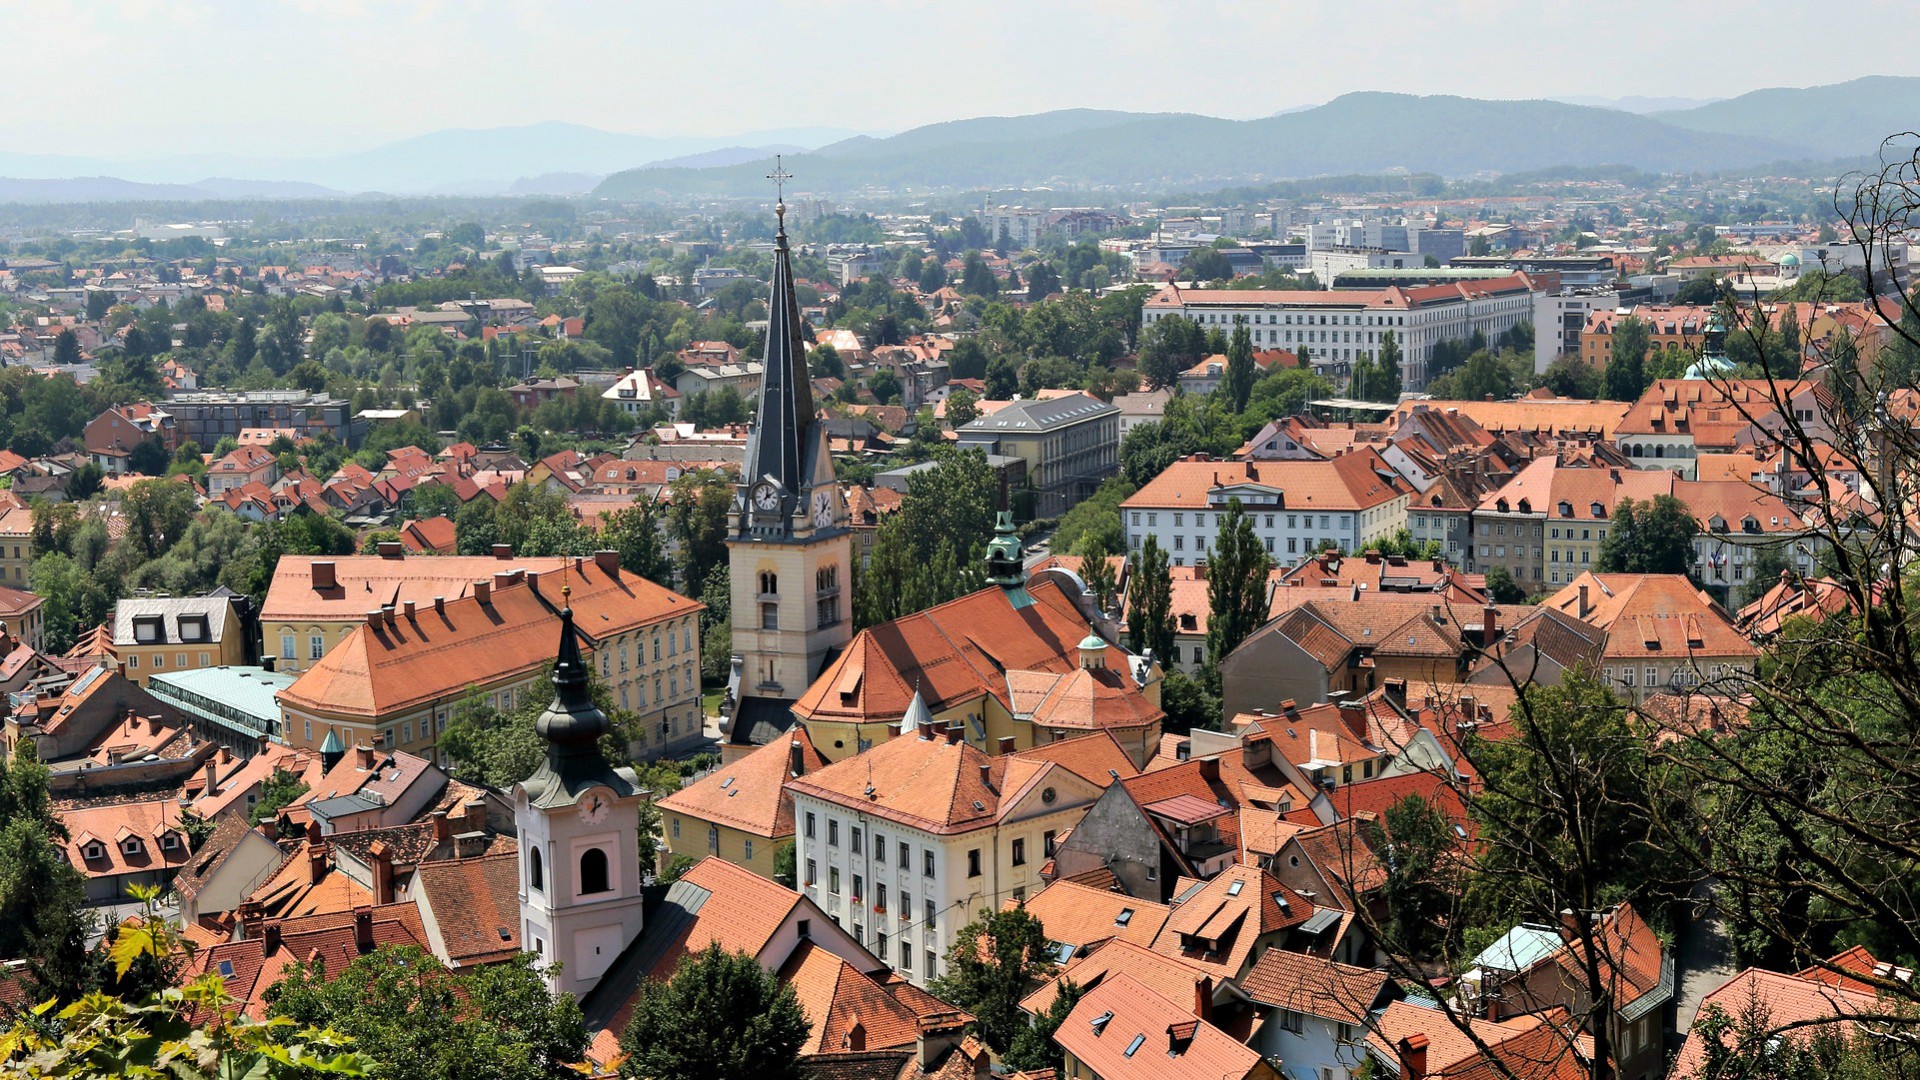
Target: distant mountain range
x=546 y=158
x=1356 y=133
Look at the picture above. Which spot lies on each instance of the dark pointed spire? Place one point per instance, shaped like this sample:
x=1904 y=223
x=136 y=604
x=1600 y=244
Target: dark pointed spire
x=572 y=723
x=776 y=448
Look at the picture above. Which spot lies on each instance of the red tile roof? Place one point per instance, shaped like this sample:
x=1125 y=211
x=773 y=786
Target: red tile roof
x=750 y=793
x=475 y=904
x=1122 y=1029
x=929 y=783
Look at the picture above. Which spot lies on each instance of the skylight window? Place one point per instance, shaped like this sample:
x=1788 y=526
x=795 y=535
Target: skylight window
x=1125 y=917
x=1234 y=889
x=226 y=969
x=1100 y=1022
x=1136 y=1044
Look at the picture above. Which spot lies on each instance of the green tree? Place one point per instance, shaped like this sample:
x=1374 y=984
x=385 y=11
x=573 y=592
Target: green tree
x=496 y=1021
x=42 y=918
x=66 y=349
x=637 y=533
x=963 y=408
x=1095 y=521
x=1206 y=264
x=990 y=965
x=1626 y=359
x=1240 y=367
x=1096 y=572
x=1571 y=377
x=1168 y=347
x=278 y=791
x=933 y=548
x=976 y=277
x=1651 y=537
x=697 y=520
x=1237 y=573
x=157 y=513
x=1422 y=857
x=884 y=385
x=1150 y=603
x=1387 y=365
x=721 y=1014
x=1033 y=1048
x=785 y=869
x=1502 y=589
x=192 y=1032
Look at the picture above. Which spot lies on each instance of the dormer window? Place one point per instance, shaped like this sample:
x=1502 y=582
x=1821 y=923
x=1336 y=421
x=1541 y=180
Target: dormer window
x=1597 y=510
x=146 y=629
x=1566 y=508
x=94 y=850
x=130 y=847
x=193 y=628
x=169 y=841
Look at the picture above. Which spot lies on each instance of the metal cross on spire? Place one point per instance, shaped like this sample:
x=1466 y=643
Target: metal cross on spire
x=779 y=176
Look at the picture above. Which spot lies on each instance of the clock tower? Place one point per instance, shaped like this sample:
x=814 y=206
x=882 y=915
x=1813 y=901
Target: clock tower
x=578 y=818
x=790 y=552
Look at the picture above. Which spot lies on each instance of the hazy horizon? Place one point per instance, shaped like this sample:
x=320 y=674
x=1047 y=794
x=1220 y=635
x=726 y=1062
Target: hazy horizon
x=309 y=78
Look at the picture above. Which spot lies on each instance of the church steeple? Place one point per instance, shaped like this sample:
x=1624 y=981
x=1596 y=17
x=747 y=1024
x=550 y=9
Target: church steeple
x=571 y=728
x=777 y=472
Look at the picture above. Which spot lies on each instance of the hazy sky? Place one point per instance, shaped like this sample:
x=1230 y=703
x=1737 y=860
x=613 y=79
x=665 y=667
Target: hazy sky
x=151 y=77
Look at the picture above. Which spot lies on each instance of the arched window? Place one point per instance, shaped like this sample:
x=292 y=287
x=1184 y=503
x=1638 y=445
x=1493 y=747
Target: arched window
x=769 y=582
x=536 y=876
x=593 y=871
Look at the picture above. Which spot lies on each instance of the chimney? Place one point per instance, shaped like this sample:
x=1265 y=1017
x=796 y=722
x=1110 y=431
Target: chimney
x=502 y=579
x=313 y=832
x=796 y=758
x=363 y=757
x=1210 y=770
x=386 y=615
x=1489 y=626
x=382 y=857
x=211 y=786
x=986 y=776
x=1396 y=693
x=503 y=551
x=390 y=549
x=442 y=828
x=952 y=733
x=374 y=618
x=608 y=561
x=323 y=575
x=1413 y=1057
x=270 y=938
x=1373 y=555
x=363 y=929
x=1583 y=599
x=316 y=863
x=483 y=591
x=1203 y=999
x=1200 y=570
x=270 y=828
x=250 y=919
x=476 y=810
x=1006 y=745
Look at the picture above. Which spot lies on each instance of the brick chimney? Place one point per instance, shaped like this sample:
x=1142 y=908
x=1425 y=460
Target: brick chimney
x=1203 y=998
x=476 y=811
x=1583 y=600
x=250 y=919
x=382 y=856
x=1413 y=1057
x=363 y=756
x=1006 y=745
x=363 y=929
x=503 y=551
x=483 y=591
x=442 y=828
x=211 y=785
x=270 y=938
x=1489 y=626
x=408 y=610
x=502 y=579
x=391 y=549
x=607 y=561
x=323 y=574
x=986 y=776
x=316 y=863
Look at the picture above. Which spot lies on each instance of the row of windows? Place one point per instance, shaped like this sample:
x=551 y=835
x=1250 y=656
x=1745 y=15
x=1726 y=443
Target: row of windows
x=1200 y=520
x=160 y=660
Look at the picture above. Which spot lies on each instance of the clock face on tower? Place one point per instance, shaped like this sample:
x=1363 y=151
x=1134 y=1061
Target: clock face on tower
x=822 y=509
x=594 y=807
x=766 y=497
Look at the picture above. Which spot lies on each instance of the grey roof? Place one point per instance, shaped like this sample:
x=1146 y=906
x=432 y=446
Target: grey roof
x=1321 y=920
x=664 y=928
x=170 y=611
x=1041 y=415
x=344 y=806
